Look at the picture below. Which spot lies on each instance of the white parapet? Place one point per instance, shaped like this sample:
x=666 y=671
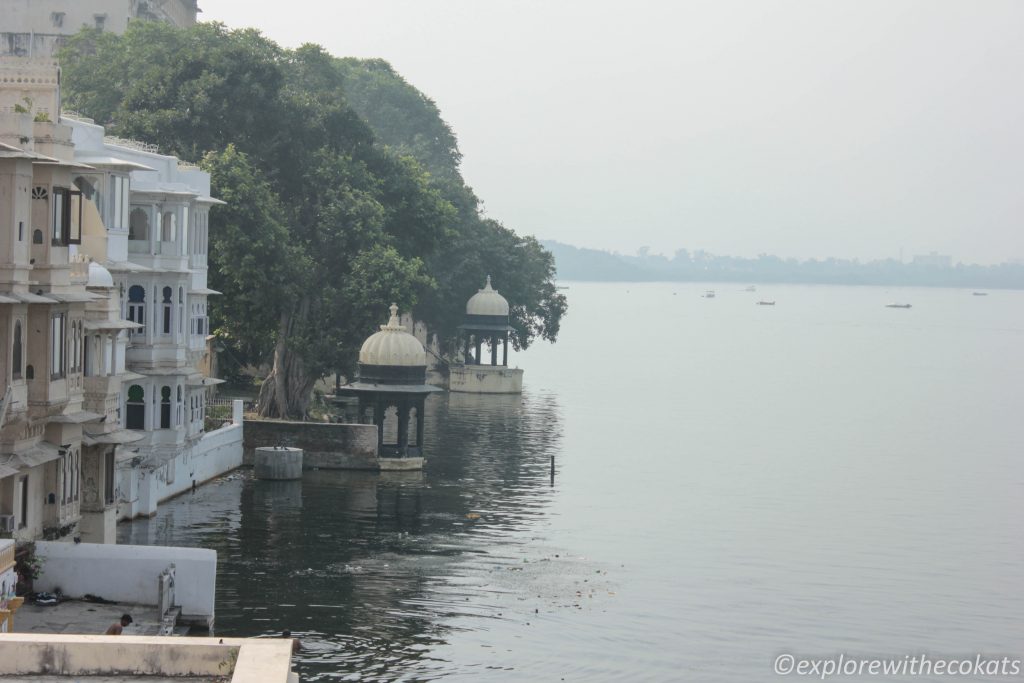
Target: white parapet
x=130 y=573
x=485 y=379
x=59 y=655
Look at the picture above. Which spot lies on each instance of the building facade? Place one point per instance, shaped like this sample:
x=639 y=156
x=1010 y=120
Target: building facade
x=38 y=28
x=154 y=242
x=43 y=298
x=103 y=321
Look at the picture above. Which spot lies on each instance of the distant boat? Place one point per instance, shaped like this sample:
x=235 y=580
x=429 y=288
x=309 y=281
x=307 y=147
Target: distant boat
x=751 y=288
x=710 y=294
x=765 y=303
x=980 y=293
x=897 y=305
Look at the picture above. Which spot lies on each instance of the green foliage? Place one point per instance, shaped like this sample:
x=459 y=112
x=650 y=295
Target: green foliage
x=27 y=564
x=251 y=257
x=342 y=187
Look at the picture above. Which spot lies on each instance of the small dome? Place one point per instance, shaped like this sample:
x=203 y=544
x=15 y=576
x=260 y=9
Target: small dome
x=392 y=346
x=487 y=302
x=99 y=276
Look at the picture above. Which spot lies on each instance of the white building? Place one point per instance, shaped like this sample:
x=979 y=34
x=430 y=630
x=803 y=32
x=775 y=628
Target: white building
x=155 y=210
x=103 y=298
x=38 y=28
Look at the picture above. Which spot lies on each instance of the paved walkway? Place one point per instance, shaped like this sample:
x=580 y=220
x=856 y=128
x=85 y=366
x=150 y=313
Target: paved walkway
x=75 y=616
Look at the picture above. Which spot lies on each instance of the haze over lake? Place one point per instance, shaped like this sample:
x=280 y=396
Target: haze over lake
x=733 y=481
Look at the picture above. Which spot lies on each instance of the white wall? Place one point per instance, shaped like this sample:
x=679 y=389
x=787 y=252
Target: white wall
x=216 y=453
x=128 y=573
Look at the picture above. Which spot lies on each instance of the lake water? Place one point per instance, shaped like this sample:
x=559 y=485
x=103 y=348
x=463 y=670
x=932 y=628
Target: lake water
x=732 y=482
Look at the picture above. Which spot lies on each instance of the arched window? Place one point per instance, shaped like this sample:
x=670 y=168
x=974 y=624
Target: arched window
x=138 y=224
x=166 y=305
x=168 y=226
x=181 y=409
x=181 y=310
x=136 y=407
x=165 y=408
x=137 y=307
x=30 y=372
x=16 y=351
x=37 y=236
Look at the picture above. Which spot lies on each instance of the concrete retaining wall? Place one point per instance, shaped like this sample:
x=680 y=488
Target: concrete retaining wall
x=485 y=379
x=325 y=445
x=128 y=573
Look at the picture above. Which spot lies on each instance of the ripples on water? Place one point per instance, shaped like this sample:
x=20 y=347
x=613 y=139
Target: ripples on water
x=373 y=571
x=823 y=476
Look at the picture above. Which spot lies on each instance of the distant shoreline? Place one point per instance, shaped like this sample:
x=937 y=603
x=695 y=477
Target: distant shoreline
x=576 y=264
x=566 y=283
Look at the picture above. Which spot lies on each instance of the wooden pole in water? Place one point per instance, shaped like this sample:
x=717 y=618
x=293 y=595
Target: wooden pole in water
x=552 y=470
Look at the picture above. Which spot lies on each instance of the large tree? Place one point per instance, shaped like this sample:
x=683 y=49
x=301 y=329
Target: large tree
x=343 y=192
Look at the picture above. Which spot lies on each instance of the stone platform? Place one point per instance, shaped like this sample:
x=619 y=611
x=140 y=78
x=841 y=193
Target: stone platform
x=485 y=379
x=86 y=618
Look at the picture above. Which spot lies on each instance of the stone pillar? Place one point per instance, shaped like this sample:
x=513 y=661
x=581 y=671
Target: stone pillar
x=236 y=412
x=403 y=426
x=476 y=359
x=100 y=357
x=419 y=424
x=112 y=369
x=278 y=462
x=378 y=419
x=494 y=349
x=504 y=357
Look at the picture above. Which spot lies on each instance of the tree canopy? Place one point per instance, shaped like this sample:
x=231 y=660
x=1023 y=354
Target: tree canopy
x=343 y=188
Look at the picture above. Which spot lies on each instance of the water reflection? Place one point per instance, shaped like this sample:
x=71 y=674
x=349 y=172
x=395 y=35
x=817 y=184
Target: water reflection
x=373 y=571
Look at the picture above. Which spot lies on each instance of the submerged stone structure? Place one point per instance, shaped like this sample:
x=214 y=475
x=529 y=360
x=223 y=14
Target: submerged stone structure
x=278 y=463
x=392 y=390
x=487 y=315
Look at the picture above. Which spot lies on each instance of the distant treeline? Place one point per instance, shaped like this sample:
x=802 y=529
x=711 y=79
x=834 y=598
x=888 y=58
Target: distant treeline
x=574 y=263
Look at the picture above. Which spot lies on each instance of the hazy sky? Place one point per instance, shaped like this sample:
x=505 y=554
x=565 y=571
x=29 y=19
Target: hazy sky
x=796 y=127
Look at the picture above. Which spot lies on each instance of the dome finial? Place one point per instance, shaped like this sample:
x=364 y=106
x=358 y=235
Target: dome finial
x=393 y=322
x=488 y=285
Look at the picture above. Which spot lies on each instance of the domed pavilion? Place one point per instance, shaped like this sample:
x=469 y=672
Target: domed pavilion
x=393 y=374
x=486 y=322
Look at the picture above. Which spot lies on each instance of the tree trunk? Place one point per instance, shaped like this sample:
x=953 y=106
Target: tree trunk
x=286 y=391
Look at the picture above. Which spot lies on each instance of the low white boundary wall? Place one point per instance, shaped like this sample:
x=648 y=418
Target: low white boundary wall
x=129 y=573
x=216 y=453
